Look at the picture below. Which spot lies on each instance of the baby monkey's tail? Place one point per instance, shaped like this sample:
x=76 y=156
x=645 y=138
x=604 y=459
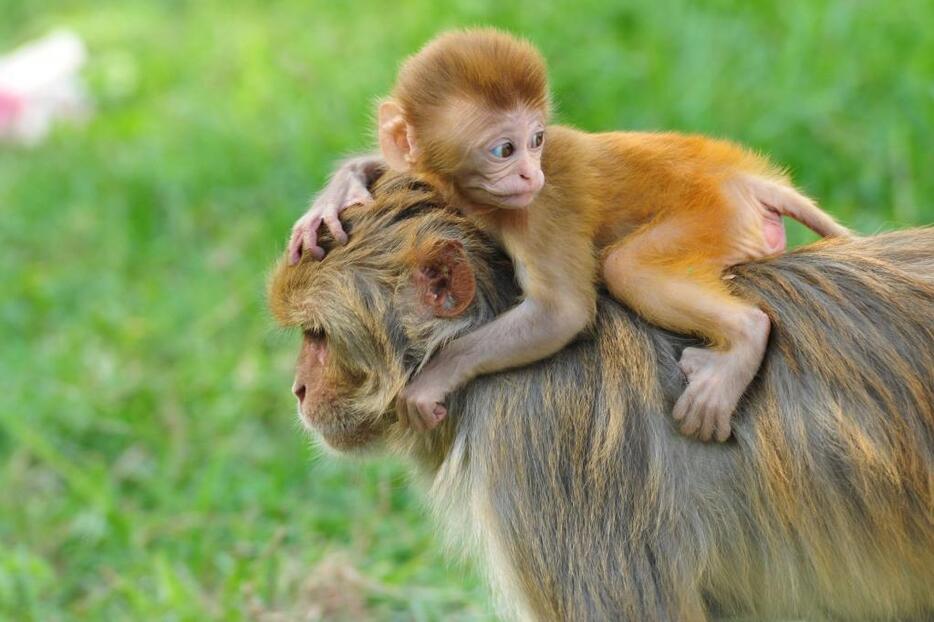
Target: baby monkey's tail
x=787 y=201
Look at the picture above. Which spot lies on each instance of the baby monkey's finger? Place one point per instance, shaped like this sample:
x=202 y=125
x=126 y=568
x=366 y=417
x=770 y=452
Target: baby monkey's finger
x=404 y=413
x=335 y=227
x=432 y=413
x=723 y=427
x=295 y=247
x=310 y=238
x=708 y=423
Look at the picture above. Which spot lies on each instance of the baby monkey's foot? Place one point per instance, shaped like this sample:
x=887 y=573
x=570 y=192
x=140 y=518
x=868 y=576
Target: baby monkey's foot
x=717 y=379
x=715 y=383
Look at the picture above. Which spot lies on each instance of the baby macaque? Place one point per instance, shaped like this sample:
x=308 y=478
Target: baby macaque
x=658 y=216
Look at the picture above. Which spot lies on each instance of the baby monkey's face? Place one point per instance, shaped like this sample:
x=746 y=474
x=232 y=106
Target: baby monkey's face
x=503 y=163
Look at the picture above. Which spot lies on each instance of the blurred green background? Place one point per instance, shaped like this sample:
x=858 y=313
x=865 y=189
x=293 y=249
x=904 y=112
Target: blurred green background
x=151 y=465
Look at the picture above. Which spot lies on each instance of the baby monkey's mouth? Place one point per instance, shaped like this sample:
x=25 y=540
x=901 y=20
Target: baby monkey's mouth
x=516 y=193
x=516 y=199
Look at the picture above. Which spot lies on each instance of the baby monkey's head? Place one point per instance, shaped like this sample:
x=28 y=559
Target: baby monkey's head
x=470 y=110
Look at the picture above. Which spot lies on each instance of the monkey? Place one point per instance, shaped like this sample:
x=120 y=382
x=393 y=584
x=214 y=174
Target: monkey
x=658 y=216
x=566 y=479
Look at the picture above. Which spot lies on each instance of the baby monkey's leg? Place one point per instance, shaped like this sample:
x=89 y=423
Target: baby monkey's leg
x=695 y=300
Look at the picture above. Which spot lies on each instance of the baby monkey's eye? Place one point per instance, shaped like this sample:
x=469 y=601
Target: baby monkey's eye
x=503 y=150
x=538 y=139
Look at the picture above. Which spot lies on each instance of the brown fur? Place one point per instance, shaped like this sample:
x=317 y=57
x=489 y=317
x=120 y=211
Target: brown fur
x=567 y=479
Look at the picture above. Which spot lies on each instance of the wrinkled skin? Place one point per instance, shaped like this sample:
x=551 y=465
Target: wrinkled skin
x=502 y=167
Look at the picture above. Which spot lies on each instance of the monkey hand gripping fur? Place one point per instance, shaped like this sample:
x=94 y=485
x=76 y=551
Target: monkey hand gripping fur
x=567 y=479
x=656 y=217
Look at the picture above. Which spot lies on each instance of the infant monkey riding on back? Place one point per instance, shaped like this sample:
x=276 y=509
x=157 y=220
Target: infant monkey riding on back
x=658 y=216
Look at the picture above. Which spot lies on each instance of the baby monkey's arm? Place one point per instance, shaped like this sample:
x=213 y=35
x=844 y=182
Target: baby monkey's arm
x=560 y=301
x=528 y=332
x=349 y=185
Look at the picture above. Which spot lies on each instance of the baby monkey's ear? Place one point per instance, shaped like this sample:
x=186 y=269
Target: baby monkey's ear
x=396 y=139
x=444 y=279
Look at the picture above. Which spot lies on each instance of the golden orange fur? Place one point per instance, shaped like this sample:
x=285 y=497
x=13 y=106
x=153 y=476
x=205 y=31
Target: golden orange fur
x=664 y=214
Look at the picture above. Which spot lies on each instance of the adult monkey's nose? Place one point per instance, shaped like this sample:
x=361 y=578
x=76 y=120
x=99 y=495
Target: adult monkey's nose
x=299 y=390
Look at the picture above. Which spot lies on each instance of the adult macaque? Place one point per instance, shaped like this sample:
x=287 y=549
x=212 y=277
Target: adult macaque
x=567 y=478
x=667 y=212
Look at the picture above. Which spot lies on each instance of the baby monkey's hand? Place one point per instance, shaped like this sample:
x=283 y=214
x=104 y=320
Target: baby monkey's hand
x=340 y=193
x=348 y=186
x=420 y=405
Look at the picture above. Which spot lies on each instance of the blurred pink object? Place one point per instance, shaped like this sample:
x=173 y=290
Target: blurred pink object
x=39 y=83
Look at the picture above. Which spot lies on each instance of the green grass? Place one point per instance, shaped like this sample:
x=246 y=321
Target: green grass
x=150 y=463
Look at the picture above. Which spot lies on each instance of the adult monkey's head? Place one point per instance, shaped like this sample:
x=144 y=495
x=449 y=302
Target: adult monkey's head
x=412 y=276
x=469 y=111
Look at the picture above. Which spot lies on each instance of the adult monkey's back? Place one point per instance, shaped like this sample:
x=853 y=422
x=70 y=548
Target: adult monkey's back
x=568 y=478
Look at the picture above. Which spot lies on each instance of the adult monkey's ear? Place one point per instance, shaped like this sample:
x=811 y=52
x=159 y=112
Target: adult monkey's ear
x=444 y=278
x=396 y=139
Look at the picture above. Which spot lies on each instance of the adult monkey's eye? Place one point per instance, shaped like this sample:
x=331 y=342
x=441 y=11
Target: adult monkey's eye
x=315 y=333
x=538 y=139
x=503 y=150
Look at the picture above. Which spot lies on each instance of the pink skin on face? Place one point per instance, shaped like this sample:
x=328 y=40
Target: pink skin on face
x=504 y=165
